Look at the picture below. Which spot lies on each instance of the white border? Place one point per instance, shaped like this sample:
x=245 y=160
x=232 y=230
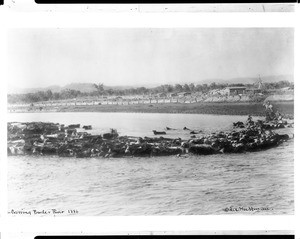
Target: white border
x=13 y=19
x=31 y=235
x=30 y=5
x=146 y=20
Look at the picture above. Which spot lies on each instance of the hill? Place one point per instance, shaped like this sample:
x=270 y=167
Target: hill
x=249 y=80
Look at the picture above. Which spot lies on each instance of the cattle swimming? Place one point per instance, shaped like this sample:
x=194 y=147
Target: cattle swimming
x=40 y=138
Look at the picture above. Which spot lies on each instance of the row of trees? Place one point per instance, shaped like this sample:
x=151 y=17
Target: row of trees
x=43 y=96
x=101 y=91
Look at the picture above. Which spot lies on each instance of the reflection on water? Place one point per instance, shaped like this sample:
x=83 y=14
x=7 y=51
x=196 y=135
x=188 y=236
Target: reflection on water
x=192 y=185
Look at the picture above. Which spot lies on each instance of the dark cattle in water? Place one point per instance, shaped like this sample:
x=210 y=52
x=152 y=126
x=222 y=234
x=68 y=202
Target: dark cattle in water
x=38 y=138
x=109 y=136
x=239 y=124
x=87 y=127
x=282 y=137
x=158 y=132
x=195 y=132
x=113 y=134
x=197 y=141
x=71 y=131
x=73 y=126
x=83 y=154
x=144 y=150
x=203 y=149
x=168 y=128
x=49 y=150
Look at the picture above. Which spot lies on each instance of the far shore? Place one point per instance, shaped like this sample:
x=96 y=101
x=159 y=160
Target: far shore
x=228 y=108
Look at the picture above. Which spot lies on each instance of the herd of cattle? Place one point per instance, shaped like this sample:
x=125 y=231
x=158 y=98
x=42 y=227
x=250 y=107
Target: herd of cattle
x=40 y=138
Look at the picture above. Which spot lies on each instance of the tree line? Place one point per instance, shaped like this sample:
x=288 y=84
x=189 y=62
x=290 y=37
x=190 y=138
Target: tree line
x=100 y=91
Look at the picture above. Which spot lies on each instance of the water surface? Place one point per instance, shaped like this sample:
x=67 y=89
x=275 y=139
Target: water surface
x=191 y=185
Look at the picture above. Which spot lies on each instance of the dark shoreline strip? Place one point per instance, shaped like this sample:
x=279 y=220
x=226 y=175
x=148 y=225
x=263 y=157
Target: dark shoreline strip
x=255 y=109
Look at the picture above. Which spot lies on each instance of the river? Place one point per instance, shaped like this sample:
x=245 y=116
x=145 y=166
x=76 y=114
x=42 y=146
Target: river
x=248 y=183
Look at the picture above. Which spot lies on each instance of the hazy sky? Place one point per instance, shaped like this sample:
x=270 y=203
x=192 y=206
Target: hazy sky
x=43 y=57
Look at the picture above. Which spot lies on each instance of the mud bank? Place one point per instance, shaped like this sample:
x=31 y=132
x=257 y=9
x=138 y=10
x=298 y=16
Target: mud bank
x=221 y=108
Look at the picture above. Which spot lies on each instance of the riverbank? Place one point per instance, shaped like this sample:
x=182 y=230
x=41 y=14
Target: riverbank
x=244 y=108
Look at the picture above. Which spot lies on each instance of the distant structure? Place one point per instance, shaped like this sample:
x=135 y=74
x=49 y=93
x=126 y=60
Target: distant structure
x=234 y=90
x=257 y=87
x=173 y=95
x=182 y=94
x=259 y=83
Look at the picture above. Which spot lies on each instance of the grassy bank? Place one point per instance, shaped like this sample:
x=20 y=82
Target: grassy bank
x=194 y=108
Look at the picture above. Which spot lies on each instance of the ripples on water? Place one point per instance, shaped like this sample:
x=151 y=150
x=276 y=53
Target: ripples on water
x=192 y=185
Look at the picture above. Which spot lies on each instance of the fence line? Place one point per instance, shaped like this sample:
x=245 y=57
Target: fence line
x=180 y=100
x=110 y=102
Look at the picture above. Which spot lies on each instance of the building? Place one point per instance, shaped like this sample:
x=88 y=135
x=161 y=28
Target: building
x=253 y=91
x=234 y=90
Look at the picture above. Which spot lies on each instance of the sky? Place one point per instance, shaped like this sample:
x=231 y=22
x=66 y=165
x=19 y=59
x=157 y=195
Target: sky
x=145 y=56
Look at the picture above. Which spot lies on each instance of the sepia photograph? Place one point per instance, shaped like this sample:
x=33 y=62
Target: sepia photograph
x=150 y=121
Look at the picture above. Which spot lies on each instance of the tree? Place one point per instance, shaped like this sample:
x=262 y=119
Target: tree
x=205 y=87
x=110 y=91
x=48 y=95
x=213 y=86
x=192 y=87
x=56 y=96
x=100 y=88
x=186 y=88
x=178 y=87
x=69 y=94
x=169 y=88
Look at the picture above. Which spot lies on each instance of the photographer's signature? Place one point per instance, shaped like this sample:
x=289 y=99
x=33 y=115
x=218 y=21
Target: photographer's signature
x=247 y=209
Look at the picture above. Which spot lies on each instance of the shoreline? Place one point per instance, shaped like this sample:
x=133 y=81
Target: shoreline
x=232 y=108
